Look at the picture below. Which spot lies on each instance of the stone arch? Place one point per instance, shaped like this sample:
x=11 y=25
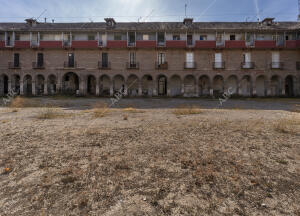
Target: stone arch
x=246 y=86
x=15 y=83
x=275 y=85
x=260 y=86
x=118 y=83
x=204 y=85
x=105 y=84
x=189 y=86
x=39 y=84
x=231 y=85
x=162 y=85
x=91 y=85
x=289 y=86
x=133 y=85
x=51 y=84
x=175 y=86
x=27 y=85
x=3 y=84
x=147 y=85
x=70 y=83
x=218 y=85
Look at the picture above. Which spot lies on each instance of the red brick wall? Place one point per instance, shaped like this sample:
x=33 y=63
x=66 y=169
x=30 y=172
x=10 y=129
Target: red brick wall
x=265 y=44
x=2 y=44
x=51 y=44
x=22 y=44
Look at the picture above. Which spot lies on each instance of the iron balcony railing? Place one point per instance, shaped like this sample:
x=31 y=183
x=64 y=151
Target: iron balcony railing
x=132 y=65
x=67 y=43
x=161 y=43
x=14 y=65
x=161 y=66
x=68 y=64
x=219 y=65
x=190 y=65
x=276 y=65
x=38 y=65
x=104 y=65
x=247 y=65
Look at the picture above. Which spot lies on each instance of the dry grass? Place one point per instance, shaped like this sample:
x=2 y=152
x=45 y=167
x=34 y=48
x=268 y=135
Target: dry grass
x=100 y=110
x=125 y=117
x=51 y=113
x=288 y=126
x=20 y=102
x=187 y=110
x=133 y=110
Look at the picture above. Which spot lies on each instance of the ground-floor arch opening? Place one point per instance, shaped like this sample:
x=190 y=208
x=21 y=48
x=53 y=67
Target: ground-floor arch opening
x=189 y=86
x=39 y=84
x=261 y=86
x=162 y=85
x=27 y=85
x=218 y=86
x=70 y=83
x=231 y=86
x=15 y=84
x=246 y=86
x=175 y=86
x=104 y=85
x=133 y=85
x=3 y=84
x=91 y=85
x=52 y=81
x=289 y=86
x=275 y=85
x=204 y=85
x=119 y=84
x=147 y=85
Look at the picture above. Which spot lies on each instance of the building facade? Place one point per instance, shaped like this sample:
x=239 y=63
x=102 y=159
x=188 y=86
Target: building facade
x=189 y=59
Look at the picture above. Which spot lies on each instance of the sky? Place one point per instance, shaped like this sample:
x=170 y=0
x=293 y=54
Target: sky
x=147 y=10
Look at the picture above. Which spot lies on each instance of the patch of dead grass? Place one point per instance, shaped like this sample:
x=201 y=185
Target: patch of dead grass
x=187 y=110
x=51 y=113
x=288 y=125
x=133 y=110
x=20 y=102
x=100 y=110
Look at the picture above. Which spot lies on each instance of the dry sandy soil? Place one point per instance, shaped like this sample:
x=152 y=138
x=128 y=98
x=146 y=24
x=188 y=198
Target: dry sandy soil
x=152 y=159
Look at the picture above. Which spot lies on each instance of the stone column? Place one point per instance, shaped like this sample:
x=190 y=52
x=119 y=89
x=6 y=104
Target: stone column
x=267 y=87
x=59 y=84
x=125 y=89
x=111 y=90
x=21 y=87
x=45 y=88
x=283 y=87
x=140 y=91
x=33 y=88
x=182 y=89
x=9 y=85
x=197 y=88
x=82 y=85
x=254 y=88
x=97 y=87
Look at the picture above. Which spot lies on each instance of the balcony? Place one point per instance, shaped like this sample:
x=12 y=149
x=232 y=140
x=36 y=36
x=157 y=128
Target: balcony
x=146 y=44
x=161 y=66
x=14 y=65
x=247 y=65
x=2 y=44
x=34 y=44
x=219 y=65
x=276 y=65
x=22 y=44
x=265 y=44
x=117 y=44
x=85 y=44
x=104 y=65
x=38 y=65
x=249 y=43
x=70 y=64
x=220 y=43
x=190 y=65
x=131 y=44
x=205 y=44
x=161 y=43
x=67 y=44
x=132 y=65
x=176 y=44
x=50 y=44
x=235 y=44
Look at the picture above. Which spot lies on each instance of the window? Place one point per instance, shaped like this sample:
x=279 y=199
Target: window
x=17 y=37
x=218 y=60
x=71 y=62
x=117 y=37
x=275 y=60
x=104 y=60
x=16 y=60
x=176 y=37
x=219 y=37
x=40 y=59
x=189 y=60
x=145 y=37
x=161 y=58
x=232 y=37
x=203 y=37
x=132 y=58
x=91 y=37
x=161 y=37
x=190 y=39
x=246 y=57
x=286 y=37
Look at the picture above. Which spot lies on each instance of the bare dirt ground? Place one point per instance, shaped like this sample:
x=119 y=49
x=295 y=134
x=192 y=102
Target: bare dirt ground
x=150 y=157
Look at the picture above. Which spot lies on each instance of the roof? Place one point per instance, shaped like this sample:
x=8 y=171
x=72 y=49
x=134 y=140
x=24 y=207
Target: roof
x=152 y=26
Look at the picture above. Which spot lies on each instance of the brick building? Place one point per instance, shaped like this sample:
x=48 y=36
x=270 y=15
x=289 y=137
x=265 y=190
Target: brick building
x=149 y=59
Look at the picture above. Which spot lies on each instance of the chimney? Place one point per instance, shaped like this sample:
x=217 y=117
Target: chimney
x=268 y=21
x=45 y=19
x=31 y=22
x=188 y=21
x=110 y=22
x=52 y=20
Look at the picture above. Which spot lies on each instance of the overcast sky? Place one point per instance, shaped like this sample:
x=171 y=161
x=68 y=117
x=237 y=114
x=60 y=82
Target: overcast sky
x=148 y=10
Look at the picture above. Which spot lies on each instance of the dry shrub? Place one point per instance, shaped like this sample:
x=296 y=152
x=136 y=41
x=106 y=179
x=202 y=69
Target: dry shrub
x=100 y=110
x=133 y=110
x=51 y=113
x=100 y=105
x=288 y=126
x=125 y=117
x=20 y=102
x=187 y=110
